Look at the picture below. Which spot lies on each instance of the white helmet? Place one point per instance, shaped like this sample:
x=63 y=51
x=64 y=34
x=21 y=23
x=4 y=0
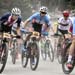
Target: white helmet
x=43 y=9
x=16 y=11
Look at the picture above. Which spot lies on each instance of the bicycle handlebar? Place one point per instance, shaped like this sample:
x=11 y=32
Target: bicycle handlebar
x=25 y=31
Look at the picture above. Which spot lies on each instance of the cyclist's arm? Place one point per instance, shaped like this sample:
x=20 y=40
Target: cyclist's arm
x=48 y=23
x=26 y=22
x=30 y=19
x=50 y=27
x=5 y=16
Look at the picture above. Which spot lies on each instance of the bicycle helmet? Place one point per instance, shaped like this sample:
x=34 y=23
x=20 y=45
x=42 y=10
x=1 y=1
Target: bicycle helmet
x=65 y=13
x=16 y=11
x=43 y=9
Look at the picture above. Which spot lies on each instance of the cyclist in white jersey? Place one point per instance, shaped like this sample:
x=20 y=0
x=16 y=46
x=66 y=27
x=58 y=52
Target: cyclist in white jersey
x=64 y=23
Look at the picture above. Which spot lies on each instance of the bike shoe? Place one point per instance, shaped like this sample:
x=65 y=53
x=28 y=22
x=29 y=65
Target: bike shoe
x=69 y=65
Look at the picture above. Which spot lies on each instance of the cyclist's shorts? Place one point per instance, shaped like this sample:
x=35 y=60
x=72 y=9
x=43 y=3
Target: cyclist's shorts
x=63 y=31
x=37 y=27
x=5 y=28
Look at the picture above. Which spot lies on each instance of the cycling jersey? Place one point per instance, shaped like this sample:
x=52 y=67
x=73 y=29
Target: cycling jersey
x=6 y=19
x=45 y=20
x=14 y=27
x=66 y=23
x=39 y=19
x=7 y=22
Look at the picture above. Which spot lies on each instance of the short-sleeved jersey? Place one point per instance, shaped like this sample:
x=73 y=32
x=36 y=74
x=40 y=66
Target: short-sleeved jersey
x=6 y=19
x=39 y=19
x=67 y=22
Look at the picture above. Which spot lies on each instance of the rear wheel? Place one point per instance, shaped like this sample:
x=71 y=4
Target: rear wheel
x=49 y=50
x=14 y=52
x=13 y=57
x=24 y=59
x=59 y=54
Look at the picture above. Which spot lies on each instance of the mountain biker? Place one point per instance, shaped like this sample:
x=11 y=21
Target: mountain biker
x=64 y=24
x=9 y=19
x=39 y=19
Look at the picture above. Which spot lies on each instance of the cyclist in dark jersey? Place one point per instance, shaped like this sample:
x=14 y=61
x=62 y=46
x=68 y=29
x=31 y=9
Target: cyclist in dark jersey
x=8 y=19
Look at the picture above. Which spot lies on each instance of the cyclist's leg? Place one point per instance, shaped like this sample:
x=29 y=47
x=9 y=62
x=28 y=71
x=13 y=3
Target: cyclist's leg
x=64 y=36
x=71 y=51
x=27 y=38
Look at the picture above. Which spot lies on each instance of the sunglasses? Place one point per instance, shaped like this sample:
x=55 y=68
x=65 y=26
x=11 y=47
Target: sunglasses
x=15 y=15
x=43 y=13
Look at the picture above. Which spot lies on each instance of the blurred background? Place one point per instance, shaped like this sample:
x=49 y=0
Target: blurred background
x=30 y=6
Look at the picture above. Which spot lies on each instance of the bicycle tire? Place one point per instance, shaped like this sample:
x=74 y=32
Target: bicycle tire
x=14 y=52
x=24 y=64
x=4 y=59
x=34 y=46
x=43 y=53
x=50 y=50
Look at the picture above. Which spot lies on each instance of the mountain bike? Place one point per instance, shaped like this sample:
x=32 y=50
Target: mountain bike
x=14 y=49
x=3 y=50
x=47 y=49
x=32 y=51
x=66 y=46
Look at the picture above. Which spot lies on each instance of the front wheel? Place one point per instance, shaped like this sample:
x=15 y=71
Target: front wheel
x=3 y=57
x=65 y=69
x=59 y=54
x=34 y=58
x=14 y=52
